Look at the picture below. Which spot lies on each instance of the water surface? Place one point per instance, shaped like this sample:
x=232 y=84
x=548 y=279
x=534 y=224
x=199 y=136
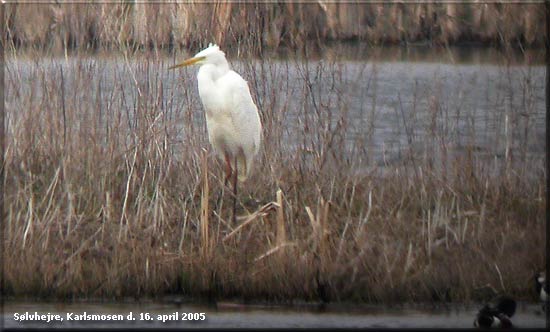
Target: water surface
x=390 y=100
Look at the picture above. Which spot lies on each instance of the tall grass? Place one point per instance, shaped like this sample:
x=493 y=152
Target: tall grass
x=111 y=193
x=269 y=25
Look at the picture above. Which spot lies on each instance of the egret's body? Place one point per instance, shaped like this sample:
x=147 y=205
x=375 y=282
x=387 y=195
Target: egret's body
x=232 y=120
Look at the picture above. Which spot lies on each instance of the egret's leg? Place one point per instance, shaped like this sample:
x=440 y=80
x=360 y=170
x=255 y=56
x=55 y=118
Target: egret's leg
x=235 y=176
x=219 y=199
x=227 y=172
x=227 y=169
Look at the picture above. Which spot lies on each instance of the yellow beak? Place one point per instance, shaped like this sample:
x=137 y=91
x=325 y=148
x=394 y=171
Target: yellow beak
x=187 y=62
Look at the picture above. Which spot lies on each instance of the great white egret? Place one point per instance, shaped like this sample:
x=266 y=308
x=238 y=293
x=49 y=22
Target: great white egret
x=232 y=120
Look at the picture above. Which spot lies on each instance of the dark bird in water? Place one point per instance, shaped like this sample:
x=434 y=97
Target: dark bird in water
x=542 y=289
x=496 y=316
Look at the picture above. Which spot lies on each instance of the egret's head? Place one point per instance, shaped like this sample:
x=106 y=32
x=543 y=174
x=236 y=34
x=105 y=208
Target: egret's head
x=210 y=55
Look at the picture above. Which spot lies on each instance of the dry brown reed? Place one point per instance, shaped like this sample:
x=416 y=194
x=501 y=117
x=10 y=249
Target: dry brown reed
x=128 y=25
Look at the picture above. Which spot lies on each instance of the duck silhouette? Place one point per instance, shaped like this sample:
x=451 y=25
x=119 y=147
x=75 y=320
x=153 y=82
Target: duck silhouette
x=496 y=316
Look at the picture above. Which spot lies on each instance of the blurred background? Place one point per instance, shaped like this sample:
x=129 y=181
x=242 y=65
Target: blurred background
x=255 y=26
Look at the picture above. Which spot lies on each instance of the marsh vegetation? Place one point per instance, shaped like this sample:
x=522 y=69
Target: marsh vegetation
x=377 y=181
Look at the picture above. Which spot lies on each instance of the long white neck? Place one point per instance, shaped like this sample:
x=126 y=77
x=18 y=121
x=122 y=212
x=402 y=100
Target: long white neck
x=207 y=79
x=213 y=71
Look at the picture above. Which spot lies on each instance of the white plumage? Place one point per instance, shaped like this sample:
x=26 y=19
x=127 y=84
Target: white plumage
x=233 y=123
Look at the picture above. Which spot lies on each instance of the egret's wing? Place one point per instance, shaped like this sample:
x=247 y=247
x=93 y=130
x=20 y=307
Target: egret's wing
x=244 y=112
x=244 y=116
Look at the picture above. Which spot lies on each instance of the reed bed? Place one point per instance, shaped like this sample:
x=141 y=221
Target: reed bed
x=112 y=190
x=270 y=25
